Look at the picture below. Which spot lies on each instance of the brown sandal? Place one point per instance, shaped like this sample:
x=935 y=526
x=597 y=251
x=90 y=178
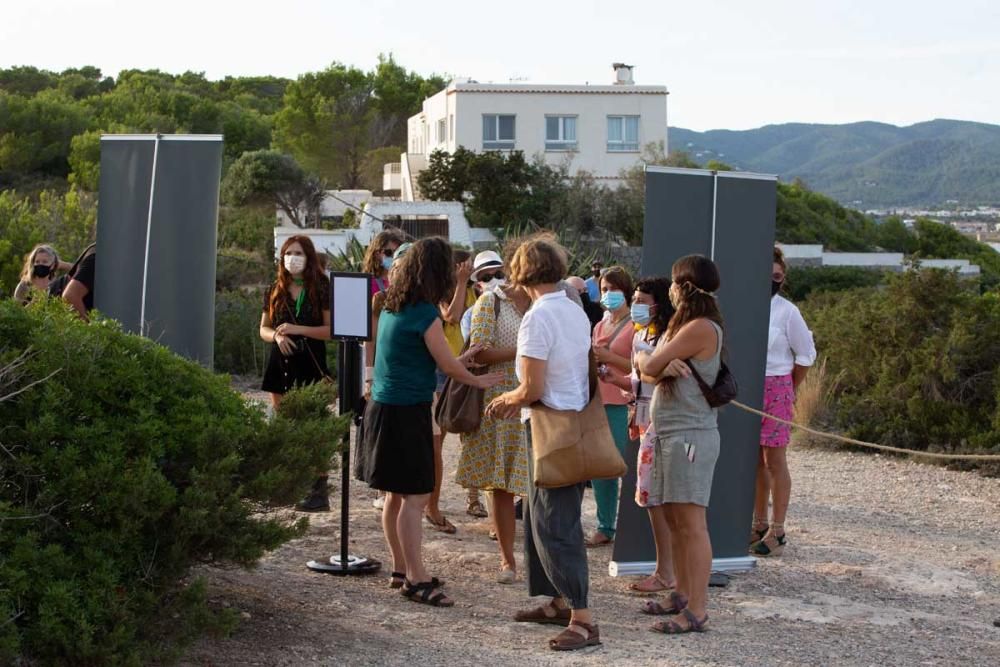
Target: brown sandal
x=570 y=640
x=678 y=602
x=674 y=628
x=653 y=579
x=445 y=526
x=538 y=615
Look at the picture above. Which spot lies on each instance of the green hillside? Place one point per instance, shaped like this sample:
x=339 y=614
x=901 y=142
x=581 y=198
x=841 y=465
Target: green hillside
x=866 y=164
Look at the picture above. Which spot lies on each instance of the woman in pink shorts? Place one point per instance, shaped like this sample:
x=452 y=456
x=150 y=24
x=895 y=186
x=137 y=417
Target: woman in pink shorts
x=790 y=353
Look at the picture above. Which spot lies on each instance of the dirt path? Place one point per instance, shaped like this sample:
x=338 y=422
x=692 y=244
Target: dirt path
x=890 y=563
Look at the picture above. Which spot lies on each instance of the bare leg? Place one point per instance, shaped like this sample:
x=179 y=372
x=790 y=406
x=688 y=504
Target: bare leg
x=693 y=530
x=502 y=511
x=762 y=493
x=664 y=553
x=275 y=400
x=433 y=510
x=410 y=534
x=677 y=549
x=390 y=518
x=781 y=483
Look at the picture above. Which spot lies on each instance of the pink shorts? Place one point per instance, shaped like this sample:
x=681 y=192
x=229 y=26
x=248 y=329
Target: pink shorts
x=779 y=400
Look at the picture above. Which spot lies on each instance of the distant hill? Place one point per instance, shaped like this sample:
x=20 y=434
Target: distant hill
x=867 y=164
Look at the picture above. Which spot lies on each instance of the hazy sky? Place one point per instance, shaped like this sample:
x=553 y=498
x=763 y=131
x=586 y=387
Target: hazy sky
x=727 y=63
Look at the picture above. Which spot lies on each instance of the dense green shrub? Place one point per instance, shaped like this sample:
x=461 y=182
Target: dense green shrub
x=801 y=281
x=121 y=468
x=917 y=364
x=238 y=347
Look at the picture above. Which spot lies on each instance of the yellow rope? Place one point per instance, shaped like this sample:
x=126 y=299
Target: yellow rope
x=871 y=445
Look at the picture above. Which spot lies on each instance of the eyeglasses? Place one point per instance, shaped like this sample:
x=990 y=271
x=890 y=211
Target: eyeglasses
x=778 y=277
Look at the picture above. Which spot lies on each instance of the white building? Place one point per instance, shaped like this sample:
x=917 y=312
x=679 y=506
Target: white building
x=600 y=129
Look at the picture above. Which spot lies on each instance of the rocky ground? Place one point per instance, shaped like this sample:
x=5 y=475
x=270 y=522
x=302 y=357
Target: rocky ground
x=890 y=563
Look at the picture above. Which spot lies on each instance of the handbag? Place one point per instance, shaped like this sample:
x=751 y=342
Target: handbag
x=570 y=447
x=302 y=344
x=460 y=406
x=723 y=391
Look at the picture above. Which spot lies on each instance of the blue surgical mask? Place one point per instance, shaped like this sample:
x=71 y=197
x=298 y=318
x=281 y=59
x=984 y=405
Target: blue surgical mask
x=613 y=299
x=640 y=314
x=387 y=263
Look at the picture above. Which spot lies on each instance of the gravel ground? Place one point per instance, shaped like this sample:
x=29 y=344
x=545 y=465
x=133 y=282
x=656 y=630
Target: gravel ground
x=890 y=563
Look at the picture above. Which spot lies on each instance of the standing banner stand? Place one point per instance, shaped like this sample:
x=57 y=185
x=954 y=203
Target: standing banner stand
x=157 y=220
x=350 y=324
x=728 y=216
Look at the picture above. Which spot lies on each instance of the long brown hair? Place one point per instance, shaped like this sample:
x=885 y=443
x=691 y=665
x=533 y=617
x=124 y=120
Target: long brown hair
x=697 y=279
x=312 y=276
x=426 y=273
x=376 y=250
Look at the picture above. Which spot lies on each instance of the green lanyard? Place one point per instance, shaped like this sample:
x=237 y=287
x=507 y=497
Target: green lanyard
x=300 y=299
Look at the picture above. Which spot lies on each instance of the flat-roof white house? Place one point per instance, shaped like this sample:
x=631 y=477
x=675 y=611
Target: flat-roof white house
x=600 y=129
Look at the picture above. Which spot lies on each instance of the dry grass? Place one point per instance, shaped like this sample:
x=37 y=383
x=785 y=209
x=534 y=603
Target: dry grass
x=812 y=400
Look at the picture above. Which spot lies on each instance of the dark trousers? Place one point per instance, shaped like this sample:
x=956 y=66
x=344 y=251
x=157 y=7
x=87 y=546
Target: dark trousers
x=553 y=541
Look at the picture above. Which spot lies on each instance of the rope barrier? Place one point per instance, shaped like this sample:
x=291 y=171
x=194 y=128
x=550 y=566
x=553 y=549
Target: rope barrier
x=870 y=445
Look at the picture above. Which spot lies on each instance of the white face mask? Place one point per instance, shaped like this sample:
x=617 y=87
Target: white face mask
x=295 y=264
x=493 y=284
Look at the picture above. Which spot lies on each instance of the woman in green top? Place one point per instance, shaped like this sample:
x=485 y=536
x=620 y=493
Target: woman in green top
x=397 y=450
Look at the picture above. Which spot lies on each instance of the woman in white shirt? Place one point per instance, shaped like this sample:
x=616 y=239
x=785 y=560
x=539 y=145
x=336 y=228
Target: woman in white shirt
x=790 y=353
x=553 y=346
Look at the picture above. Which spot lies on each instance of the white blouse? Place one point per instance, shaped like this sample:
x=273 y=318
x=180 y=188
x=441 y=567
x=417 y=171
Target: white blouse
x=789 y=341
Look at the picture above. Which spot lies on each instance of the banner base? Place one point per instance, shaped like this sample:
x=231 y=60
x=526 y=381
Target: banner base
x=646 y=567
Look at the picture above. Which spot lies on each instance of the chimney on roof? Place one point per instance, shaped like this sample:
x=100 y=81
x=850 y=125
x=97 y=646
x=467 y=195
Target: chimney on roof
x=623 y=74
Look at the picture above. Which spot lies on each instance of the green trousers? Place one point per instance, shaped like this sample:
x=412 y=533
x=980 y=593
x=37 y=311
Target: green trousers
x=606 y=490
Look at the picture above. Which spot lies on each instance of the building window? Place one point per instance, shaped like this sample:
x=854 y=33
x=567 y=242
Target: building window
x=560 y=133
x=442 y=129
x=498 y=132
x=623 y=134
x=451 y=127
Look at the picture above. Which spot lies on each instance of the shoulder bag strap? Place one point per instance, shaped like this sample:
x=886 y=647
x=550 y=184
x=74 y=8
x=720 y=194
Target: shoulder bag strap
x=312 y=356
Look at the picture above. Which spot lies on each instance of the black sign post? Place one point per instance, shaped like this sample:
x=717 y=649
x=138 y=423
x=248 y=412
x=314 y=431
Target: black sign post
x=350 y=324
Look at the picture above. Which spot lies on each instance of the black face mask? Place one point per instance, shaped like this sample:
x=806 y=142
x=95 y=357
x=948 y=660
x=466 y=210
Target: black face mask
x=41 y=271
x=775 y=287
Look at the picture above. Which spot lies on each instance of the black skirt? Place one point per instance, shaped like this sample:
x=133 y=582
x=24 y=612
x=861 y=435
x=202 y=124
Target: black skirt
x=396 y=452
x=300 y=369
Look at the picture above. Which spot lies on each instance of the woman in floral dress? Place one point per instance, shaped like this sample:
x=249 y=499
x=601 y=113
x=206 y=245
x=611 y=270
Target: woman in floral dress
x=495 y=457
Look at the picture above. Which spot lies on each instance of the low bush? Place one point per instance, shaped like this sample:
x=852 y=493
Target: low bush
x=239 y=349
x=122 y=466
x=917 y=364
x=802 y=281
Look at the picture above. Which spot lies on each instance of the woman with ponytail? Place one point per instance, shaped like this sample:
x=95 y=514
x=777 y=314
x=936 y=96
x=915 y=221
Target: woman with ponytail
x=684 y=437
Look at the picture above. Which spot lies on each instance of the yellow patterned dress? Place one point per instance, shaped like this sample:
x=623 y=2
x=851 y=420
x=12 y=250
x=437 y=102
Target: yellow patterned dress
x=496 y=456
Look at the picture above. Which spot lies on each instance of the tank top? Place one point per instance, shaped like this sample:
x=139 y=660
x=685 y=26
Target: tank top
x=685 y=408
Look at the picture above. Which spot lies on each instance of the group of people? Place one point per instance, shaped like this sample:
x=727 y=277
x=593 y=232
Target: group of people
x=44 y=274
x=514 y=327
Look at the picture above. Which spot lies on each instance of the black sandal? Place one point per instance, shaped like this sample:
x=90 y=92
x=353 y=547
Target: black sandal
x=762 y=548
x=422 y=593
x=396 y=579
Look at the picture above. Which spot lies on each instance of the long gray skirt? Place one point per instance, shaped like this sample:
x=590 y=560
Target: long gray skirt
x=683 y=467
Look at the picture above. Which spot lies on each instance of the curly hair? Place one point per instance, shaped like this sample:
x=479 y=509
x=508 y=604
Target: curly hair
x=658 y=288
x=779 y=258
x=539 y=260
x=312 y=277
x=618 y=277
x=426 y=273
x=376 y=250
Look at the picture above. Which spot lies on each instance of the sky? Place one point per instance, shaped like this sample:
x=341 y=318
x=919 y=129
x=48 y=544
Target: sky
x=728 y=64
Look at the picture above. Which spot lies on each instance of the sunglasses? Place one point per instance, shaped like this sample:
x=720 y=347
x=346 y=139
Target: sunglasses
x=486 y=277
x=388 y=252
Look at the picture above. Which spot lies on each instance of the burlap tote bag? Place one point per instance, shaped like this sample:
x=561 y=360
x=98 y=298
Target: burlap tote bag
x=571 y=447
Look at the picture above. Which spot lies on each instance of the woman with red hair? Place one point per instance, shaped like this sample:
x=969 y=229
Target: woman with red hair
x=296 y=321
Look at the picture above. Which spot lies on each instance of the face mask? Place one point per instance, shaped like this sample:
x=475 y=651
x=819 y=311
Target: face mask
x=387 y=263
x=674 y=300
x=493 y=284
x=775 y=287
x=613 y=300
x=640 y=314
x=295 y=264
x=41 y=271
